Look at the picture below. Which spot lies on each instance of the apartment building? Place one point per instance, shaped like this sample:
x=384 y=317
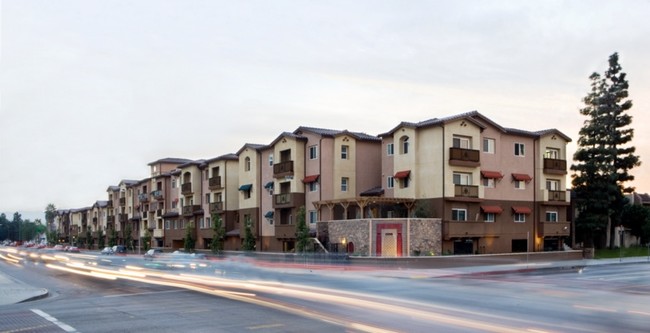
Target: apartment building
x=496 y=189
x=221 y=197
x=98 y=215
x=163 y=198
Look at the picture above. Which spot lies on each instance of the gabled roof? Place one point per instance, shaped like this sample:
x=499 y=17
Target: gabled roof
x=128 y=182
x=287 y=135
x=253 y=146
x=100 y=204
x=226 y=157
x=197 y=163
x=332 y=133
x=113 y=188
x=469 y=116
x=170 y=160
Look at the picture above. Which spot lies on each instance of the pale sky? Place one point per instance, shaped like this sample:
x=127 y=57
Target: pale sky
x=92 y=91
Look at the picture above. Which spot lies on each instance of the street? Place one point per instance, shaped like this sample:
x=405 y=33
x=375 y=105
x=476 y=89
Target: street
x=240 y=297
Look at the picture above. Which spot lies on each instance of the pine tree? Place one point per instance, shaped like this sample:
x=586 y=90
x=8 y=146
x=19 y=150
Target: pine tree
x=302 y=231
x=604 y=156
x=219 y=233
x=189 y=240
x=249 y=239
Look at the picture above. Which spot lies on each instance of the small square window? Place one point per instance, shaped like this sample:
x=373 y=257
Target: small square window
x=519 y=149
x=519 y=217
x=459 y=214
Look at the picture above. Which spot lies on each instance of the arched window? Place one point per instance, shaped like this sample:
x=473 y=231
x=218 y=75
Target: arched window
x=247 y=164
x=404 y=145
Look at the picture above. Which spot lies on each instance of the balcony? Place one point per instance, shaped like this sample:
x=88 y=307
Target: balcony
x=153 y=206
x=214 y=183
x=143 y=197
x=466 y=191
x=464 y=157
x=283 y=169
x=556 y=198
x=95 y=220
x=216 y=207
x=159 y=213
x=555 y=166
x=110 y=219
x=191 y=210
x=285 y=231
x=286 y=200
x=109 y=203
x=186 y=188
x=548 y=229
x=157 y=195
x=123 y=217
x=158 y=233
x=84 y=220
x=122 y=201
x=451 y=229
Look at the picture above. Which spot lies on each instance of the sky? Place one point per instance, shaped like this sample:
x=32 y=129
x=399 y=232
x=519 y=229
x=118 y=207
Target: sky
x=93 y=91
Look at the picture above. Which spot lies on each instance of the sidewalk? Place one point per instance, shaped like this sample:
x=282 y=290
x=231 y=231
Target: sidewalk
x=13 y=291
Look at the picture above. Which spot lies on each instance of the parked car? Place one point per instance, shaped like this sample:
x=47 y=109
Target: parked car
x=107 y=250
x=58 y=247
x=119 y=249
x=73 y=249
x=152 y=253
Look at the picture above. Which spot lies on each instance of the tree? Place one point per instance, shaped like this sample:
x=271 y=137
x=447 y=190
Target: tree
x=100 y=239
x=128 y=238
x=89 y=239
x=189 y=240
x=146 y=240
x=637 y=219
x=218 y=234
x=604 y=157
x=249 y=239
x=302 y=231
x=112 y=238
x=50 y=215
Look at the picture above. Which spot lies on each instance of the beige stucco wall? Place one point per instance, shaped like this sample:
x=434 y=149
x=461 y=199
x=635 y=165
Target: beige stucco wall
x=466 y=129
x=249 y=177
x=402 y=162
x=387 y=166
x=297 y=149
x=266 y=196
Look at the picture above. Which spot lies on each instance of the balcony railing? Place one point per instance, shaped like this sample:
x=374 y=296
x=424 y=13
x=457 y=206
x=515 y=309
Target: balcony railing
x=143 y=197
x=158 y=233
x=186 y=188
x=191 y=209
x=285 y=230
x=157 y=195
x=555 y=166
x=94 y=220
x=215 y=183
x=122 y=201
x=464 y=157
x=109 y=203
x=110 y=219
x=216 y=207
x=283 y=200
x=557 y=196
x=123 y=217
x=283 y=169
x=469 y=191
x=467 y=229
x=555 y=229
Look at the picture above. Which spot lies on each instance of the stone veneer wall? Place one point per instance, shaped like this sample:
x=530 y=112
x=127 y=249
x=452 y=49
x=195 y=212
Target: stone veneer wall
x=425 y=235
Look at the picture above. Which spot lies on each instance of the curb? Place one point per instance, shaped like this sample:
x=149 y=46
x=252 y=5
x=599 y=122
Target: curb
x=43 y=294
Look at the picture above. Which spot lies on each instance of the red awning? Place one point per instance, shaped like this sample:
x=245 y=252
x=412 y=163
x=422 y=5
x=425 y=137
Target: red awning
x=521 y=210
x=522 y=177
x=491 y=174
x=491 y=209
x=310 y=179
x=402 y=174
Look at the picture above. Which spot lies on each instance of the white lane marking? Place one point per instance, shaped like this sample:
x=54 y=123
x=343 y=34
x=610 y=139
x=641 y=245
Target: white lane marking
x=55 y=321
x=146 y=293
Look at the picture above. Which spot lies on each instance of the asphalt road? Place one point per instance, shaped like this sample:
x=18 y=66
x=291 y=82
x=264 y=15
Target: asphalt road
x=239 y=297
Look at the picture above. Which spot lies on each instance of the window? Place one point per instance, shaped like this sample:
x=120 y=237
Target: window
x=174 y=204
x=520 y=217
x=458 y=214
x=344 y=152
x=344 y=184
x=552 y=153
x=461 y=142
x=201 y=226
x=488 y=182
x=173 y=182
x=313 y=216
x=313 y=152
x=488 y=217
x=520 y=184
x=519 y=149
x=390 y=182
x=247 y=164
x=167 y=224
x=207 y=198
x=390 y=149
x=208 y=225
x=247 y=194
x=462 y=178
x=488 y=146
x=405 y=182
x=313 y=186
x=551 y=216
x=248 y=222
x=552 y=185
x=270 y=159
x=404 y=141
